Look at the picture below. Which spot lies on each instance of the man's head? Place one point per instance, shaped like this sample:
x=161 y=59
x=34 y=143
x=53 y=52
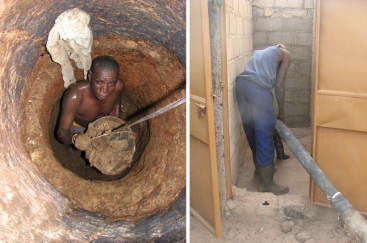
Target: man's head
x=105 y=62
x=283 y=46
x=103 y=76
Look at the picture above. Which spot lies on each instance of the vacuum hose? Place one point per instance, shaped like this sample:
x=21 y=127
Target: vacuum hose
x=348 y=215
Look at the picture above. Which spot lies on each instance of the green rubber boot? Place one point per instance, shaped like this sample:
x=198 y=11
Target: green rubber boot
x=266 y=181
x=256 y=173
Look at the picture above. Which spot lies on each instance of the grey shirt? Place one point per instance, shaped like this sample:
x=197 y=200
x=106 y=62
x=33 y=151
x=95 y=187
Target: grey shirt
x=262 y=68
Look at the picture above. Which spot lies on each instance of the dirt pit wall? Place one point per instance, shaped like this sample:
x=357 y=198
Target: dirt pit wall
x=40 y=198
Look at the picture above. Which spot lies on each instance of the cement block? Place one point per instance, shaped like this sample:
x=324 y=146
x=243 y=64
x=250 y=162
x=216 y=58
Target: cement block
x=243 y=143
x=229 y=3
x=250 y=47
x=304 y=68
x=263 y=3
x=248 y=27
x=244 y=49
x=241 y=46
x=291 y=70
x=257 y=12
x=287 y=16
x=235 y=135
x=246 y=58
x=232 y=102
x=279 y=37
x=310 y=13
x=235 y=5
x=260 y=47
x=304 y=96
x=301 y=53
x=298 y=121
x=302 y=82
x=237 y=47
x=239 y=65
x=276 y=13
x=232 y=24
x=248 y=7
x=231 y=70
x=241 y=7
x=291 y=96
x=267 y=12
x=227 y=21
x=268 y=24
x=304 y=38
x=309 y=3
x=240 y=26
x=297 y=109
x=299 y=24
x=234 y=146
x=259 y=37
x=236 y=163
x=229 y=48
x=288 y=3
x=302 y=13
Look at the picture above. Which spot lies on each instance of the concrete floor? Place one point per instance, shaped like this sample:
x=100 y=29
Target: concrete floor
x=289 y=172
x=246 y=218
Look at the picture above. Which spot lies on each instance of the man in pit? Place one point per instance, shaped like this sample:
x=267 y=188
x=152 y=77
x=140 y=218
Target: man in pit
x=86 y=101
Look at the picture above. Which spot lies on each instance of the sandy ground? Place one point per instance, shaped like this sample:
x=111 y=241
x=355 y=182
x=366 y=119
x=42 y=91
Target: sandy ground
x=248 y=218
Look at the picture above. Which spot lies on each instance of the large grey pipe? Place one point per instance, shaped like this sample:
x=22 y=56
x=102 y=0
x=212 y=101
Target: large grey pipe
x=348 y=215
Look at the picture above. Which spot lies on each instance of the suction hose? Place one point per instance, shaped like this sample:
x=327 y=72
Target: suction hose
x=348 y=215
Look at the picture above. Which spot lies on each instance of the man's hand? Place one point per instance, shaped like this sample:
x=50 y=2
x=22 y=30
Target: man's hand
x=82 y=141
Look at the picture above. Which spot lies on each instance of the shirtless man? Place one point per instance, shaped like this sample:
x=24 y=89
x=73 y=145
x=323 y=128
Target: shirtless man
x=265 y=70
x=86 y=101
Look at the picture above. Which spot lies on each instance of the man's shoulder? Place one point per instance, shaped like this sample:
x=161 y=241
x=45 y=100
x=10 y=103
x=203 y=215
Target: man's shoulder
x=78 y=86
x=284 y=54
x=77 y=90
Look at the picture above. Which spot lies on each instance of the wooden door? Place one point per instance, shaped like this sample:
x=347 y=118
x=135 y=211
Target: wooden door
x=339 y=123
x=204 y=192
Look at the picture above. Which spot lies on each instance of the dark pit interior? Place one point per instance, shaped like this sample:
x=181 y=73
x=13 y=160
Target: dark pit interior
x=65 y=167
x=75 y=161
x=147 y=38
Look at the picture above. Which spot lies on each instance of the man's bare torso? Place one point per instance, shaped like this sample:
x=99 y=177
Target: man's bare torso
x=90 y=108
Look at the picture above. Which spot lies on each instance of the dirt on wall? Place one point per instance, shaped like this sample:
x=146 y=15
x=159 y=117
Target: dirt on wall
x=154 y=78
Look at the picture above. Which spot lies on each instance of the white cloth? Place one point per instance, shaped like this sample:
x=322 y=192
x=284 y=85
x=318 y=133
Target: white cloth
x=71 y=38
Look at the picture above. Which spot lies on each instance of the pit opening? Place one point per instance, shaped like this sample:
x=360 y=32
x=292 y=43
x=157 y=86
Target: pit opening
x=32 y=204
x=154 y=77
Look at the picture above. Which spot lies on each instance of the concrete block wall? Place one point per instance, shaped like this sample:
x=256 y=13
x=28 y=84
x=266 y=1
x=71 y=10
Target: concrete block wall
x=239 y=51
x=289 y=22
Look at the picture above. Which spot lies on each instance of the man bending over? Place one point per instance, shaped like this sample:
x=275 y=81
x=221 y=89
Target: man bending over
x=265 y=70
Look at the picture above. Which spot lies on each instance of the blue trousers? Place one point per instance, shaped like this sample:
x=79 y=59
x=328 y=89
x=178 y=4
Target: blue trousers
x=255 y=104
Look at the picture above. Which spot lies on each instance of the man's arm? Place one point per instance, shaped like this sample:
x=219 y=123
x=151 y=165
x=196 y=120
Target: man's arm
x=116 y=107
x=70 y=104
x=284 y=60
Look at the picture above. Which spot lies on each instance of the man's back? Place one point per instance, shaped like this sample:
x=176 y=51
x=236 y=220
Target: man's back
x=262 y=68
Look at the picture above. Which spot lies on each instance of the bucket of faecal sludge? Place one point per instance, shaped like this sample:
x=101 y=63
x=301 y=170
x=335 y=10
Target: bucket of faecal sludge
x=109 y=152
